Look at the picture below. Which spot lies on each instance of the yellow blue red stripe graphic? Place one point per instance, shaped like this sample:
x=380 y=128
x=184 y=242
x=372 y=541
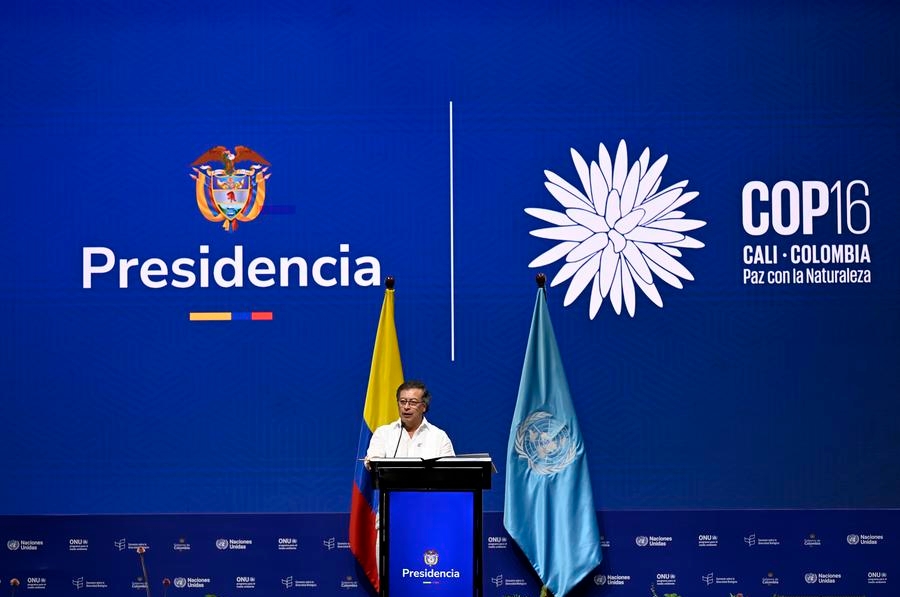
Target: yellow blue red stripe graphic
x=231 y=316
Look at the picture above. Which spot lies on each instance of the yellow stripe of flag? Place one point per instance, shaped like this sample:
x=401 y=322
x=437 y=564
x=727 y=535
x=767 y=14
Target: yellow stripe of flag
x=386 y=374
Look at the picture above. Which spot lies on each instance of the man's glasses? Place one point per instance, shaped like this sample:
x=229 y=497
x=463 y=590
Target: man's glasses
x=412 y=403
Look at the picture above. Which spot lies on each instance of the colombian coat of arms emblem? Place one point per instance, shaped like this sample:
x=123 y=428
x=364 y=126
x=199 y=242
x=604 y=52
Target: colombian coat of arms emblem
x=227 y=193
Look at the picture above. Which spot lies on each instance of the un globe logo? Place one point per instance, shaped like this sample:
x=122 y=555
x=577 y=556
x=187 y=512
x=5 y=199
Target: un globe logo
x=545 y=442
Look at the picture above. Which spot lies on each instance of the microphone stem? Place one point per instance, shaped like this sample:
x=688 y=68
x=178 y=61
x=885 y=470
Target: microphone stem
x=144 y=570
x=399 y=437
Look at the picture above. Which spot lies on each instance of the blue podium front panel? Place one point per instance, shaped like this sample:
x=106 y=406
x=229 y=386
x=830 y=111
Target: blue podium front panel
x=432 y=543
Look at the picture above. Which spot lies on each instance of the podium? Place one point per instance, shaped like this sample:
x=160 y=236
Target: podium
x=430 y=524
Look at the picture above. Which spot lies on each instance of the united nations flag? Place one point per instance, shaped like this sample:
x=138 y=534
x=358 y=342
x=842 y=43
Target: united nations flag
x=549 y=508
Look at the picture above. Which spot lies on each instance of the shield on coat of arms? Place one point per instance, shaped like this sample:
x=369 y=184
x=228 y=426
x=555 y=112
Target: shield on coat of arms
x=230 y=194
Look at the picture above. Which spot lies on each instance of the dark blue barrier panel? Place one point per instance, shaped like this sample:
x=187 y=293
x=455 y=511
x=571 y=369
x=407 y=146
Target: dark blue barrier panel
x=752 y=553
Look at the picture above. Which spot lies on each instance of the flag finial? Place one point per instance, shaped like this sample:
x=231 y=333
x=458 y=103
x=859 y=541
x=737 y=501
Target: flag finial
x=541 y=279
x=389 y=282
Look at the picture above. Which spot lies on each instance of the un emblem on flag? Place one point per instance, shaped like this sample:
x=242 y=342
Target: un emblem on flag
x=230 y=194
x=545 y=442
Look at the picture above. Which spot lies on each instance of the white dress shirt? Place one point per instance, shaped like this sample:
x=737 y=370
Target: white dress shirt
x=428 y=441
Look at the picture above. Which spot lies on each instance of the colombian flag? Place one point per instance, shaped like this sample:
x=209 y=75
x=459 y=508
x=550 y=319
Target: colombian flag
x=385 y=377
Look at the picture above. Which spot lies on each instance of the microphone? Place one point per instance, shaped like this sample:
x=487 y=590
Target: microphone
x=166 y=583
x=140 y=552
x=399 y=437
x=14 y=583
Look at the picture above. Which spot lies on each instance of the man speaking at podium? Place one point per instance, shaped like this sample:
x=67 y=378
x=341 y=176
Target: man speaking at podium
x=411 y=435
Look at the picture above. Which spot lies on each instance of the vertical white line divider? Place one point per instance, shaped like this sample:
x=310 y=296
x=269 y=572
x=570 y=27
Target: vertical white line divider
x=452 y=262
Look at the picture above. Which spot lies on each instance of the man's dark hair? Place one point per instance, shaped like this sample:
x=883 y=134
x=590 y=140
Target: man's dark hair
x=415 y=384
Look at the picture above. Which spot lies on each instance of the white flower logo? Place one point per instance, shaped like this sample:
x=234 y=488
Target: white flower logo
x=618 y=232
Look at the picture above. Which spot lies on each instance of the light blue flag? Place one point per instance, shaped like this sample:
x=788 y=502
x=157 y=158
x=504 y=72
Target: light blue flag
x=549 y=508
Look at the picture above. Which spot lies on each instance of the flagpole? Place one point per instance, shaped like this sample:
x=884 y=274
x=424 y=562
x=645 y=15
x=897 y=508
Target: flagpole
x=541 y=280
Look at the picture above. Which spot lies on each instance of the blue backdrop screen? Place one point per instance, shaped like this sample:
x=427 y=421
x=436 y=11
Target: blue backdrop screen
x=736 y=347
